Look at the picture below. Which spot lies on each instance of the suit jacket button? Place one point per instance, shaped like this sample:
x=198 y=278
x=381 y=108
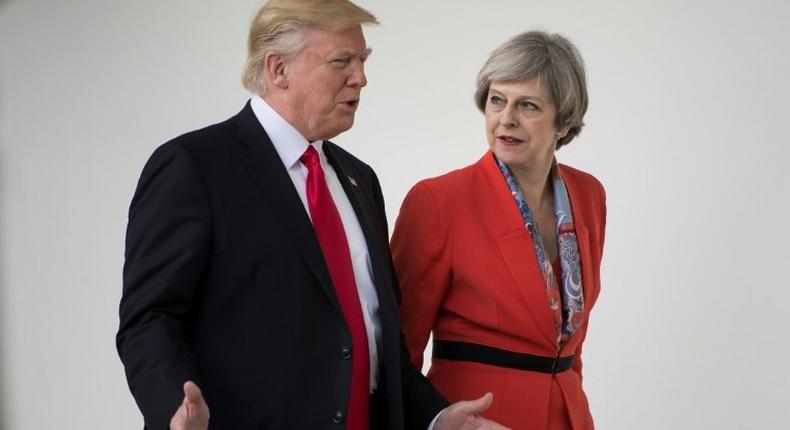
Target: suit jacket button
x=345 y=353
x=338 y=417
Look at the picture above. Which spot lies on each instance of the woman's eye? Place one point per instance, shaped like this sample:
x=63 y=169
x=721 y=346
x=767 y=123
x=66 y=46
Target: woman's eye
x=529 y=105
x=495 y=100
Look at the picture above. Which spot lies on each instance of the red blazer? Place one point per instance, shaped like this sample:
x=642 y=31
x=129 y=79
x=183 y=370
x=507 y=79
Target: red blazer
x=468 y=272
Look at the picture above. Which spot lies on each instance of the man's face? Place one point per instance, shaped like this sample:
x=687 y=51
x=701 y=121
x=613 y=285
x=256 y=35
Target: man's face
x=324 y=83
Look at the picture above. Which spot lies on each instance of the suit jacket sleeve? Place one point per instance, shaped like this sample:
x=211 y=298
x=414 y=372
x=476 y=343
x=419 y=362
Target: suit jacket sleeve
x=421 y=402
x=167 y=246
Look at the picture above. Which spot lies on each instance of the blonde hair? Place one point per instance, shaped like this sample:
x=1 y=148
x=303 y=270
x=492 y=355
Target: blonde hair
x=557 y=64
x=278 y=28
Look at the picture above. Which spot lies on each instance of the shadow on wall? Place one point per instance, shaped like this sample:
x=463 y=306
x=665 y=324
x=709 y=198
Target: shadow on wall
x=3 y=327
x=3 y=286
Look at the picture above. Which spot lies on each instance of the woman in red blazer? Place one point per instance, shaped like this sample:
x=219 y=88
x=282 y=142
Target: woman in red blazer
x=500 y=259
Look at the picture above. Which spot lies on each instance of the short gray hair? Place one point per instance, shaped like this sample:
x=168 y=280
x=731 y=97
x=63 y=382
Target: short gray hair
x=278 y=28
x=557 y=64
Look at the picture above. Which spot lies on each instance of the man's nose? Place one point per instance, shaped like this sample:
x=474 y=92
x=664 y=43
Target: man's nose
x=358 y=78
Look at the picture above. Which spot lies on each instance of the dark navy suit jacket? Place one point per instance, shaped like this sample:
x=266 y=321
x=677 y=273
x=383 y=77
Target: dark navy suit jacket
x=224 y=284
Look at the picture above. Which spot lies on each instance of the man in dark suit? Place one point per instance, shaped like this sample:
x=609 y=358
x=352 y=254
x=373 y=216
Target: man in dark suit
x=257 y=265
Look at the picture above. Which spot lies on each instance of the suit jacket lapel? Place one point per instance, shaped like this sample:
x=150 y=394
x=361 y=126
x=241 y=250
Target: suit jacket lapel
x=260 y=159
x=364 y=207
x=516 y=249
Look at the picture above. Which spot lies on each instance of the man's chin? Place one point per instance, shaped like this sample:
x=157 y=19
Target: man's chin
x=330 y=133
x=344 y=125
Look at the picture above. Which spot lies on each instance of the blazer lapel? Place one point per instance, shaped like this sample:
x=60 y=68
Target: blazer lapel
x=583 y=239
x=516 y=249
x=256 y=152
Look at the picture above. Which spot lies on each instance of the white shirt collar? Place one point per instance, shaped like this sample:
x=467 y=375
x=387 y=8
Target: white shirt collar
x=287 y=141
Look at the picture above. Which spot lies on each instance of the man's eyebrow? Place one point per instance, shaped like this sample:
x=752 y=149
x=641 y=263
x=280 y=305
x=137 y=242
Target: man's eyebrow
x=347 y=53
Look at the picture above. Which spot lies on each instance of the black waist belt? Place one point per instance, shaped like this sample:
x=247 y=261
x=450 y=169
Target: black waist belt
x=464 y=351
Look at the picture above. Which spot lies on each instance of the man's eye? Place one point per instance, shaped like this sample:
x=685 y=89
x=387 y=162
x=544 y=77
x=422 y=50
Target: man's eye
x=340 y=62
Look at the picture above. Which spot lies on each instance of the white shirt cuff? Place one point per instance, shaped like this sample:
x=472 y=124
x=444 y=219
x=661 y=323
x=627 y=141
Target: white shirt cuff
x=430 y=426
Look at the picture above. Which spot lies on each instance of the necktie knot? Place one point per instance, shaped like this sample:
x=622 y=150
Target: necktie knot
x=310 y=158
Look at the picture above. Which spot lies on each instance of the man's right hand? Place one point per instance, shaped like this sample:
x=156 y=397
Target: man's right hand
x=193 y=412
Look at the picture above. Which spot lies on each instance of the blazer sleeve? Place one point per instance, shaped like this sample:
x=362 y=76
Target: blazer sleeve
x=420 y=250
x=167 y=247
x=577 y=365
x=603 y=216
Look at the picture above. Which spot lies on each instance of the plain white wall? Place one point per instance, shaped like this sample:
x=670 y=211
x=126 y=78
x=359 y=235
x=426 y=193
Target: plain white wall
x=686 y=129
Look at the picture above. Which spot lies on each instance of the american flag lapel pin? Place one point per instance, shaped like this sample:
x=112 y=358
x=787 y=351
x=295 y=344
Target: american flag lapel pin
x=353 y=181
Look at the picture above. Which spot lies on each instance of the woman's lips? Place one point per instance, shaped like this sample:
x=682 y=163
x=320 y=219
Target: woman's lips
x=509 y=140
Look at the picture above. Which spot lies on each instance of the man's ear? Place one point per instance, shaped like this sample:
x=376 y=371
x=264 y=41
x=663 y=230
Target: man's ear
x=274 y=66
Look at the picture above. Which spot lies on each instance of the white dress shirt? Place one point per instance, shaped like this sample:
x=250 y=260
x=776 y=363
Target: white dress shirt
x=290 y=145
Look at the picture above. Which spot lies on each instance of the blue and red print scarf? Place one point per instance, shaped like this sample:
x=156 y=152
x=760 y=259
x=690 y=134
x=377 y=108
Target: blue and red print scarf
x=566 y=303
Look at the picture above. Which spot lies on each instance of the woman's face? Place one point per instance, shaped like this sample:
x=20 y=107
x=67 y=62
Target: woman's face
x=520 y=123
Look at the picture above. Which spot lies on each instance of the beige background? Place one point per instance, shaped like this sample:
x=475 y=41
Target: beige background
x=686 y=129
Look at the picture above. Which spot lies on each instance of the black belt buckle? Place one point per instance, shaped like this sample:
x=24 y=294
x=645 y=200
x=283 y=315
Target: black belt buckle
x=554 y=364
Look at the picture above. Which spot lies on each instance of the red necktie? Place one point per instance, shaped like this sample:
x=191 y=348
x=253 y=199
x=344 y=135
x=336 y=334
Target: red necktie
x=332 y=238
